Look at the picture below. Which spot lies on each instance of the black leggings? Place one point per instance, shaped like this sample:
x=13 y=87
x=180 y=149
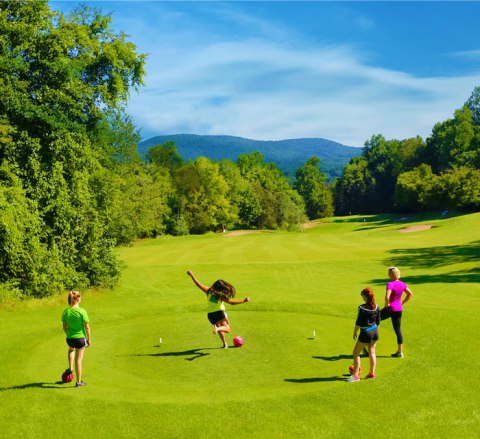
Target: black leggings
x=396 y=317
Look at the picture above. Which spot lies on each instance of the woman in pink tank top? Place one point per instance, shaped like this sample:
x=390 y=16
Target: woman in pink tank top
x=394 y=305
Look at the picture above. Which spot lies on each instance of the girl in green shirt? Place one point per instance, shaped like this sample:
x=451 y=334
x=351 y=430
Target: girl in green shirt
x=77 y=329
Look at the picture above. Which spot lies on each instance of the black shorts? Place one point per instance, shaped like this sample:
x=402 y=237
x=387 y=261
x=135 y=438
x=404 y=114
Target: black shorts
x=368 y=337
x=77 y=343
x=217 y=316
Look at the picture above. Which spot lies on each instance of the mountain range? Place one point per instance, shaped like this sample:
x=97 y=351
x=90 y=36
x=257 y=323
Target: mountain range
x=287 y=154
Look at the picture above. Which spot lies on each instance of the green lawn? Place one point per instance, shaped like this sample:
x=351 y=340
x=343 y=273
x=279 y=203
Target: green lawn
x=283 y=383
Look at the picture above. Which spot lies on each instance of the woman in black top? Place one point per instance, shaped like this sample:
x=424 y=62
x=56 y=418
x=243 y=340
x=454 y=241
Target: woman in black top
x=367 y=322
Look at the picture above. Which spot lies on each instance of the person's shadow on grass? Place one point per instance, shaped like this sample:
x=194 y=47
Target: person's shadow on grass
x=56 y=385
x=193 y=354
x=314 y=379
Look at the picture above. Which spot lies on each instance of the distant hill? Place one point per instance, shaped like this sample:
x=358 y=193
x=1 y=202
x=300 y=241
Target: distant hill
x=287 y=154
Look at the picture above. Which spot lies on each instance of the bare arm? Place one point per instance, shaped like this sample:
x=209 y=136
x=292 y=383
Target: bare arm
x=89 y=335
x=387 y=297
x=204 y=288
x=355 y=332
x=236 y=302
x=409 y=294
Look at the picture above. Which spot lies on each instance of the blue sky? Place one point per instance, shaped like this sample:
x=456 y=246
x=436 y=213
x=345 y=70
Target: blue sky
x=275 y=70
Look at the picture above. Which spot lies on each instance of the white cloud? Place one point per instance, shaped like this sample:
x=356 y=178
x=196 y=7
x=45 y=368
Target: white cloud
x=268 y=84
x=262 y=90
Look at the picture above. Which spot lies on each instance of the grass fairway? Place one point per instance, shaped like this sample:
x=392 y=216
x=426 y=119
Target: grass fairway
x=283 y=383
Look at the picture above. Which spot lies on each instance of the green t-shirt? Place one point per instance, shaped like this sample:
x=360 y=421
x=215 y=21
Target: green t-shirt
x=214 y=303
x=75 y=318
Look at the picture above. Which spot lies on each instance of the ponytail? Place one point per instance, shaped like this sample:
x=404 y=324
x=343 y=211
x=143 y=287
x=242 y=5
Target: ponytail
x=73 y=297
x=367 y=294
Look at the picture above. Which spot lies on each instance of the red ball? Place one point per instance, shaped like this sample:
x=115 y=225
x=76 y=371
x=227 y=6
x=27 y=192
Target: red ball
x=67 y=376
x=238 y=341
x=351 y=369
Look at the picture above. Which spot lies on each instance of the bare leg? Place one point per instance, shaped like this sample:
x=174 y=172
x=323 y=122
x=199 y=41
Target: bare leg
x=223 y=328
x=78 y=363
x=373 y=357
x=71 y=355
x=400 y=347
x=356 y=357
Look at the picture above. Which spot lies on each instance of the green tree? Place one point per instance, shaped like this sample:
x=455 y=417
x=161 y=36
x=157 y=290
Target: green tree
x=473 y=103
x=165 y=155
x=64 y=82
x=311 y=184
x=452 y=142
x=417 y=189
x=270 y=187
x=354 y=192
x=202 y=191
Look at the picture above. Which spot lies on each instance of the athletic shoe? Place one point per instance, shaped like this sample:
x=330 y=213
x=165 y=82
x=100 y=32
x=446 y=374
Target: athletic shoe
x=371 y=375
x=397 y=355
x=353 y=379
x=226 y=346
x=214 y=329
x=80 y=384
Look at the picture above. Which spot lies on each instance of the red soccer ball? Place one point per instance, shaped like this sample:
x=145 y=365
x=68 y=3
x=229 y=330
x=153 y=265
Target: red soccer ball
x=238 y=341
x=67 y=376
x=351 y=369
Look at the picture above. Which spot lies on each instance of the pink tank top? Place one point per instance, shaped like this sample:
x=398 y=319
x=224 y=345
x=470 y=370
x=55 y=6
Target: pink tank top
x=397 y=287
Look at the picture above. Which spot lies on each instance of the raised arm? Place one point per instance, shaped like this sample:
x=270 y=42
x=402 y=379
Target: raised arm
x=204 y=288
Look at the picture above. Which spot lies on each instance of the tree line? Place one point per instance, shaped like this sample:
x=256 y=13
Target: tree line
x=413 y=175
x=73 y=185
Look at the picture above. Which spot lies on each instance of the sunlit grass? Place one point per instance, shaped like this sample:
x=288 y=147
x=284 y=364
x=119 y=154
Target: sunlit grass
x=284 y=382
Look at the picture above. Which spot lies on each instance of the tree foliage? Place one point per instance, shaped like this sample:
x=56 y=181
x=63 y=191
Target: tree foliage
x=311 y=184
x=63 y=84
x=412 y=175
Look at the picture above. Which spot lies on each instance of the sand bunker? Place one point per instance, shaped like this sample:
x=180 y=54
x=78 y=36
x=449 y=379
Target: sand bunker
x=240 y=232
x=416 y=228
x=310 y=225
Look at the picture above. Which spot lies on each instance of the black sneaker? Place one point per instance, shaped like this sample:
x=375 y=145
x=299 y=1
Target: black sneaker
x=397 y=355
x=80 y=384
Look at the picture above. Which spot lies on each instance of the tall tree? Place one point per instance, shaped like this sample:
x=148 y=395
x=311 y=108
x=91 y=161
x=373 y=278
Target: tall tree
x=311 y=184
x=63 y=81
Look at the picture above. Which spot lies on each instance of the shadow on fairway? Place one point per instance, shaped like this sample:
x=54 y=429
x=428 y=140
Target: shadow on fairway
x=56 y=385
x=314 y=379
x=335 y=357
x=437 y=256
x=192 y=353
x=345 y=357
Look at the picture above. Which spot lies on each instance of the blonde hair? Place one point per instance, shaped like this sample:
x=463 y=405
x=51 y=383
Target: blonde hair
x=394 y=271
x=73 y=297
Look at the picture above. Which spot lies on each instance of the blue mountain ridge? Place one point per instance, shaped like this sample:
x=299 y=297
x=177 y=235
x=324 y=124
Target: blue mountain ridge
x=288 y=154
